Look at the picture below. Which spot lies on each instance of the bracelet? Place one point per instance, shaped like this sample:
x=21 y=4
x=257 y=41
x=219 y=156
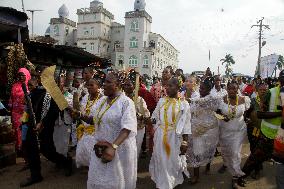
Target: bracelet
x=184 y=143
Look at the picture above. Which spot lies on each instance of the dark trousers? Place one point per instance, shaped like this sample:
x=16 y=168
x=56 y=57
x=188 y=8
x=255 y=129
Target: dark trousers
x=31 y=148
x=261 y=152
x=48 y=149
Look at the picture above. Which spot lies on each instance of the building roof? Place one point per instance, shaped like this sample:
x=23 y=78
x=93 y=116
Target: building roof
x=159 y=35
x=10 y=21
x=116 y=24
x=139 y=5
x=63 y=11
x=137 y=14
x=62 y=20
x=77 y=56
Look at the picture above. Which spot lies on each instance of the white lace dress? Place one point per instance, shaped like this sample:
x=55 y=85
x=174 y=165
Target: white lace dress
x=62 y=128
x=141 y=109
x=86 y=144
x=220 y=93
x=205 y=131
x=232 y=135
x=121 y=172
x=166 y=170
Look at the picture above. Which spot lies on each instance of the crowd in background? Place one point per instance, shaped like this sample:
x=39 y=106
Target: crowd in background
x=114 y=119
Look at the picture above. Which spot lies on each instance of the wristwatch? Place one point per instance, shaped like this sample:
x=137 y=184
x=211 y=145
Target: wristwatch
x=114 y=146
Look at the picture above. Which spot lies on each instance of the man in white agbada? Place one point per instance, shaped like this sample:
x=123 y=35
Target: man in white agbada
x=114 y=159
x=172 y=127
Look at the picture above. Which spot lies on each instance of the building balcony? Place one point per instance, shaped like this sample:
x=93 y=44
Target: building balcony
x=137 y=14
x=119 y=49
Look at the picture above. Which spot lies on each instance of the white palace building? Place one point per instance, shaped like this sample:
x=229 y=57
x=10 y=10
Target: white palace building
x=132 y=45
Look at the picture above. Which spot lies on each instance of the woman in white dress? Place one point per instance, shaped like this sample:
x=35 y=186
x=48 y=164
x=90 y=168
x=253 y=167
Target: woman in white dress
x=217 y=89
x=190 y=88
x=172 y=126
x=205 y=130
x=142 y=113
x=233 y=131
x=114 y=159
x=85 y=131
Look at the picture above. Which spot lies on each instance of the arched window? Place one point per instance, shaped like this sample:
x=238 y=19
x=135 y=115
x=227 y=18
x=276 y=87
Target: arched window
x=56 y=30
x=133 y=42
x=134 y=27
x=152 y=44
x=92 y=31
x=120 y=61
x=92 y=46
x=133 y=61
x=86 y=32
x=146 y=62
x=66 y=30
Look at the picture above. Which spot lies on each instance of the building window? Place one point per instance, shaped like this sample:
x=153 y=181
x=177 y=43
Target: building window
x=134 y=26
x=120 y=61
x=66 y=30
x=152 y=44
x=105 y=31
x=133 y=42
x=86 y=32
x=92 y=46
x=84 y=46
x=56 y=30
x=133 y=61
x=146 y=62
x=92 y=31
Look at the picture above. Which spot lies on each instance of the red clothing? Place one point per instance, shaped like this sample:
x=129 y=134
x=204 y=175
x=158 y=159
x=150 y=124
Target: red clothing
x=149 y=99
x=17 y=105
x=158 y=91
x=248 y=90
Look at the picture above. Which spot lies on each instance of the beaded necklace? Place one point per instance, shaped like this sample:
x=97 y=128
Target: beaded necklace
x=100 y=115
x=232 y=112
x=167 y=104
x=90 y=103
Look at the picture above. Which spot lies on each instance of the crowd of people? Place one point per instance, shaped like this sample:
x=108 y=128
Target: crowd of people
x=178 y=121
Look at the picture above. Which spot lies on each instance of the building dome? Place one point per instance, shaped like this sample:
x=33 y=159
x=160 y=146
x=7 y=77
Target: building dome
x=96 y=3
x=63 y=11
x=47 y=31
x=139 y=5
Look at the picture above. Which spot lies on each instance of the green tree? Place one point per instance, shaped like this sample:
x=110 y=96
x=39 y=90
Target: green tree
x=228 y=61
x=280 y=63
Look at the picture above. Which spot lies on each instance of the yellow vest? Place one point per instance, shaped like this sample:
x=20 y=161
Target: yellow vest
x=269 y=127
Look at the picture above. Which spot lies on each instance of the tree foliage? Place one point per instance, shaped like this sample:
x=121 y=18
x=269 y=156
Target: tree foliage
x=228 y=61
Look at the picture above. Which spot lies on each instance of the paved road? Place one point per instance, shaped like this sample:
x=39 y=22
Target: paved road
x=54 y=179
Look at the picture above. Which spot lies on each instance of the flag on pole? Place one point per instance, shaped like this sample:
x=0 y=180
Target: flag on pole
x=209 y=55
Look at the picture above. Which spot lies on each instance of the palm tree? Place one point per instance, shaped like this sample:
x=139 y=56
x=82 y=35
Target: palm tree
x=228 y=61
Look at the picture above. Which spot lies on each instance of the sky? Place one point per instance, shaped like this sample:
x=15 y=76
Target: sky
x=193 y=26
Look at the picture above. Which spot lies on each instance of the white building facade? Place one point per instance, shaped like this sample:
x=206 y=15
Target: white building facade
x=132 y=45
x=62 y=29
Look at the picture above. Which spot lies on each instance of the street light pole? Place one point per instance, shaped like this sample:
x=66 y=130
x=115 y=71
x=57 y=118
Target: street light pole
x=32 y=11
x=260 y=45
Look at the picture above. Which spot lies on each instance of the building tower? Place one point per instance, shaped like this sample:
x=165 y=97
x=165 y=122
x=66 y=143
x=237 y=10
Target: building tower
x=136 y=41
x=94 y=29
x=63 y=29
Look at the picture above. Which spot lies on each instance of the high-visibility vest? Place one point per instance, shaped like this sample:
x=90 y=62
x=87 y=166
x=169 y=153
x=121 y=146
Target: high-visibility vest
x=269 y=127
